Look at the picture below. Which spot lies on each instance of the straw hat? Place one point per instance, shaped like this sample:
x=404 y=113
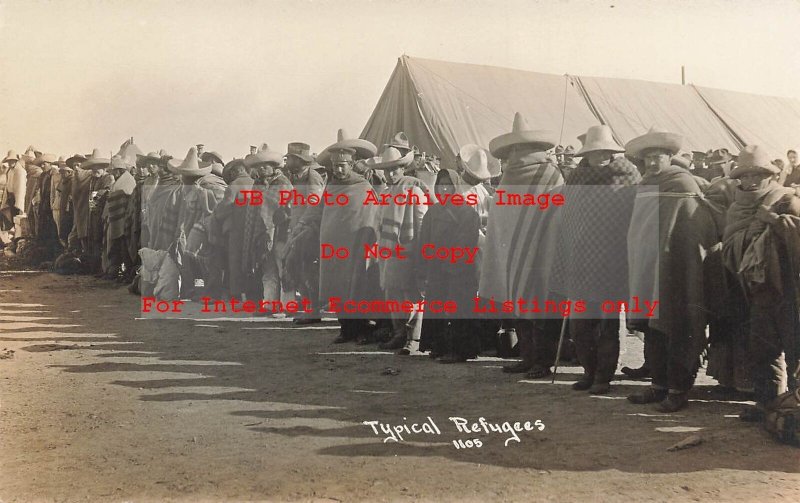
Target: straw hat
x=11 y=156
x=391 y=158
x=75 y=159
x=189 y=166
x=599 y=138
x=521 y=134
x=29 y=155
x=95 y=160
x=118 y=162
x=212 y=157
x=61 y=161
x=51 y=158
x=129 y=152
x=654 y=138
x=475 y=161
x=754 y=159
x=363 y=148
x=264 y=157
x=153 y=157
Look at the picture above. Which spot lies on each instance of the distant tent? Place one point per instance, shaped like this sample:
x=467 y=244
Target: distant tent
x=442 y=106
x=631 y=107
x=769 y=121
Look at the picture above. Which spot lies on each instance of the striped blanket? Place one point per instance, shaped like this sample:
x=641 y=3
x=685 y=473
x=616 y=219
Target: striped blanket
x=518 y=252
x=116 y=206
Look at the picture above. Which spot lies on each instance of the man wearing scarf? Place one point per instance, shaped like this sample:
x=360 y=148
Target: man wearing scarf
x=256 y=224
x=670 y=268
x=451 y=338
x=46 y=230
x=761 y=246
x=592 y=255
x=352 y=226
x=161 y=221
x=91 y=191
x=305 y=181
x=517 y=258
x=115 y=252
x=191 y=205
x=225 y=226
x=729 y=360
x=32 y=192
x=399 y=225
x=66 y=233
x=136 y=233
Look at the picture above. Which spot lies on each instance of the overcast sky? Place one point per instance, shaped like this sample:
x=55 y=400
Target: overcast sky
x=79 y=74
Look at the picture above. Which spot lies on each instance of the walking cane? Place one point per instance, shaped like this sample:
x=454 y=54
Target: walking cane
x=558 y=350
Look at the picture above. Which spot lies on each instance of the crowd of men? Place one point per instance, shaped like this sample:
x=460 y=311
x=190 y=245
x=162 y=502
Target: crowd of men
x=714 y=237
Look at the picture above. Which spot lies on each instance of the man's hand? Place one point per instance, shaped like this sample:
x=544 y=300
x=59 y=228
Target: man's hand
x=765 y=215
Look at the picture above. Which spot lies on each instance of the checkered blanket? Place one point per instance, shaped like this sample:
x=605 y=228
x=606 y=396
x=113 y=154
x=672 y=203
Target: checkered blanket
x=591 y=254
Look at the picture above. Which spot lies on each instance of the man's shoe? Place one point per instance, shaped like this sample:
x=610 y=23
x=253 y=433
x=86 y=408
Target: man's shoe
x=396 y=342
x=343 y=337
x=583 y=384
x=517 y=368
x=674 y=402
x=538 y=372
x=752 y=414
x=411 y=347
x=600 y=388
x=650 y=395
x=639 y=373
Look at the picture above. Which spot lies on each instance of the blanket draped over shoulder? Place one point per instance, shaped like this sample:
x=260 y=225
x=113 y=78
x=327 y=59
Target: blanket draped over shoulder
x=159 y=213
x=517 y=259
x=81 y=179
x=259 y=223
x=672 y=269
x=351 y=226
x=592 y=255
x=750 y=245
x=116 y=206
x=400 y=224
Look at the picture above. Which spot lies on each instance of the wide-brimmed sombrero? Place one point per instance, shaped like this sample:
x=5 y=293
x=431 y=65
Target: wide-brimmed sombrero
x=363 y=148
x=189 y=166
x=654 y=138
x=521 y=134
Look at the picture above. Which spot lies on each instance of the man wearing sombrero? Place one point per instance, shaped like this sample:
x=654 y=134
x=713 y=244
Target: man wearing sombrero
x=399 y=225
x=92 y=195
x=67 y=231
x=116 y=254
x=188 y=215
x=305 y=181
x=761 y=246
x=350 y=226
x=516 y=263
x=46 y=227
x=670 y=236
x=592 y=258
x=257 y=275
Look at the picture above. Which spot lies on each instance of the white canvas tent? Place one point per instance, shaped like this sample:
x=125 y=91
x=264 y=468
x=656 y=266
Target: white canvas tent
x=443 y=105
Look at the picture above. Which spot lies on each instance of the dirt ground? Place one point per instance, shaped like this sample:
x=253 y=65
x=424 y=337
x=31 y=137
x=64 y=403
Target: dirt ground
x=98 y=405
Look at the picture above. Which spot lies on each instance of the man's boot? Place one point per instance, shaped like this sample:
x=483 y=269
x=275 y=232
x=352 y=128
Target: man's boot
x=399 y=337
